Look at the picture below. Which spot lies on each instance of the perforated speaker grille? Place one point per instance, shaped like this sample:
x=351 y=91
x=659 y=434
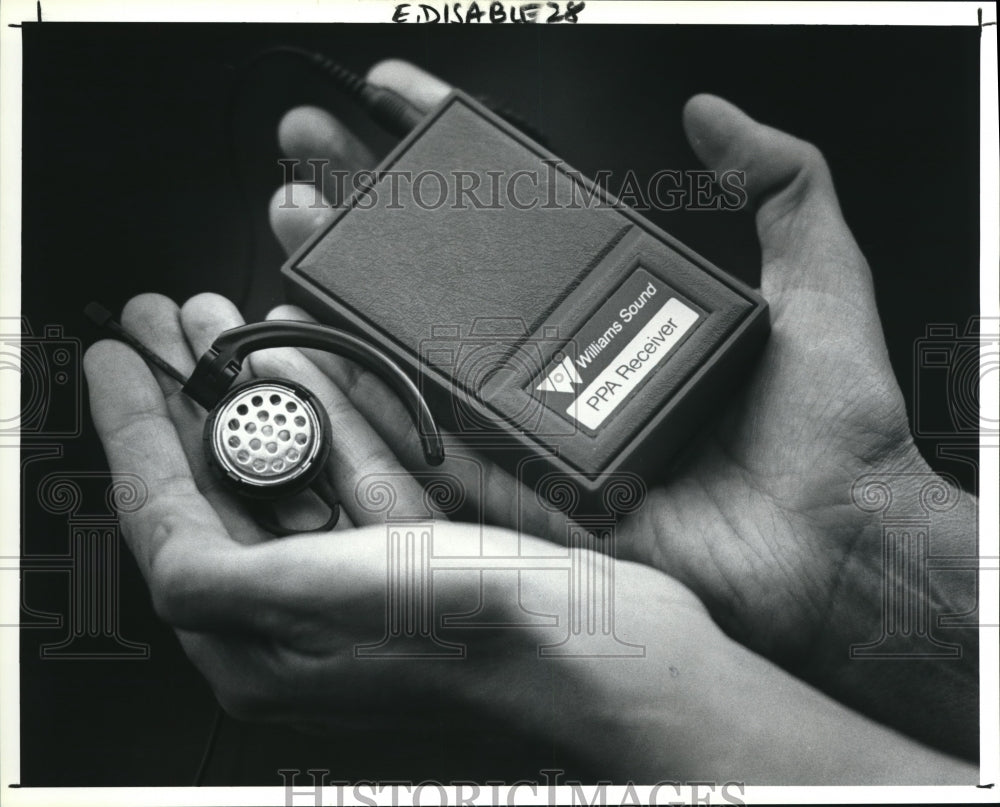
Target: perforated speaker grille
x=266 y=435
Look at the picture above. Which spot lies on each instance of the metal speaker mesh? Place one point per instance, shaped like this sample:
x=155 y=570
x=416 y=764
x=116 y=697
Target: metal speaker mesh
x=266 y=435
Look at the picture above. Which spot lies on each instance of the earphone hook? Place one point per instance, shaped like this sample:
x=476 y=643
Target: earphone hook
x=221 y=364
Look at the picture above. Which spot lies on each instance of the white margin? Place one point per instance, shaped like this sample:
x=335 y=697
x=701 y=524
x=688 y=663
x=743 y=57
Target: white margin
x=10 y=395
x=989 y=403
x=656 y=12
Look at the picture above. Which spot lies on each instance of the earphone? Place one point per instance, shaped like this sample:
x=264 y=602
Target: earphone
x=269 y=439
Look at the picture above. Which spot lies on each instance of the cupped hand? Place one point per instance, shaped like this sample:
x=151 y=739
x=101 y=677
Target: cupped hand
x=758 y=518
x=278 y=626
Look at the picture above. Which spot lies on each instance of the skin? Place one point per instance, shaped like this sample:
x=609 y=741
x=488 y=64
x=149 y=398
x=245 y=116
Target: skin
x=747 y=563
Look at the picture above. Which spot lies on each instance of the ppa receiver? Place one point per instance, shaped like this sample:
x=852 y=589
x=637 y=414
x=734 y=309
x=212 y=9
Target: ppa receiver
x=536 y=313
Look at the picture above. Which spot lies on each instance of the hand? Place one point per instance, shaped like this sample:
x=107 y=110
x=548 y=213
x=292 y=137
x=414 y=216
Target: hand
x=274 y=624
x=758 y=518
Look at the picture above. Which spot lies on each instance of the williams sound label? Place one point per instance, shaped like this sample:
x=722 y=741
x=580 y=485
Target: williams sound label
x=621 y=345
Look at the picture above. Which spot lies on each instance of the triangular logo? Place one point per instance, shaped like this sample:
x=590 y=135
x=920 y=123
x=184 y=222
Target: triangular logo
x=562 y=379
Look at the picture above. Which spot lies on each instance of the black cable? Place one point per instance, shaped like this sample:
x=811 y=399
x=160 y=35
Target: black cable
x=101 y=317
x=387 y=108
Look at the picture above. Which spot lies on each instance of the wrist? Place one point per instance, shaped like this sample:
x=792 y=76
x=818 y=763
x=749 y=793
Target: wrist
x=610 y=705
x=899 y=641
x=699 y=707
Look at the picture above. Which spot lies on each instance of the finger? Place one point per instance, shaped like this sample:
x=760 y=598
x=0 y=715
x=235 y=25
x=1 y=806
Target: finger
x=798 y=215
x=326 y=152
x=204 y=317
x=158 y=322
x=419 y=87
x=359 y=458
x=295 y=214
x=308 y=133
x=179 y=542
x=155 y=321
x=370 y=394
x=491 y=492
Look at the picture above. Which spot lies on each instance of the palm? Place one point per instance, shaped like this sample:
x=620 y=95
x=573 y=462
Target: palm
x=759 y=519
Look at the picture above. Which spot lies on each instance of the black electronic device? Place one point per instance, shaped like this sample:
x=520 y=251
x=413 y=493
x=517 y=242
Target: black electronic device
x=269 y=439
x=534 y=311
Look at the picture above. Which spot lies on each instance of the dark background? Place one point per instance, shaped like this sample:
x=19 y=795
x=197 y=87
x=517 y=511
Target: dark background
x=129 y=186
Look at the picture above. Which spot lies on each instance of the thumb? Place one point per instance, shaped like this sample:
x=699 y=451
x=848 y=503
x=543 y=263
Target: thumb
x=416 y=85
x=804 y=240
